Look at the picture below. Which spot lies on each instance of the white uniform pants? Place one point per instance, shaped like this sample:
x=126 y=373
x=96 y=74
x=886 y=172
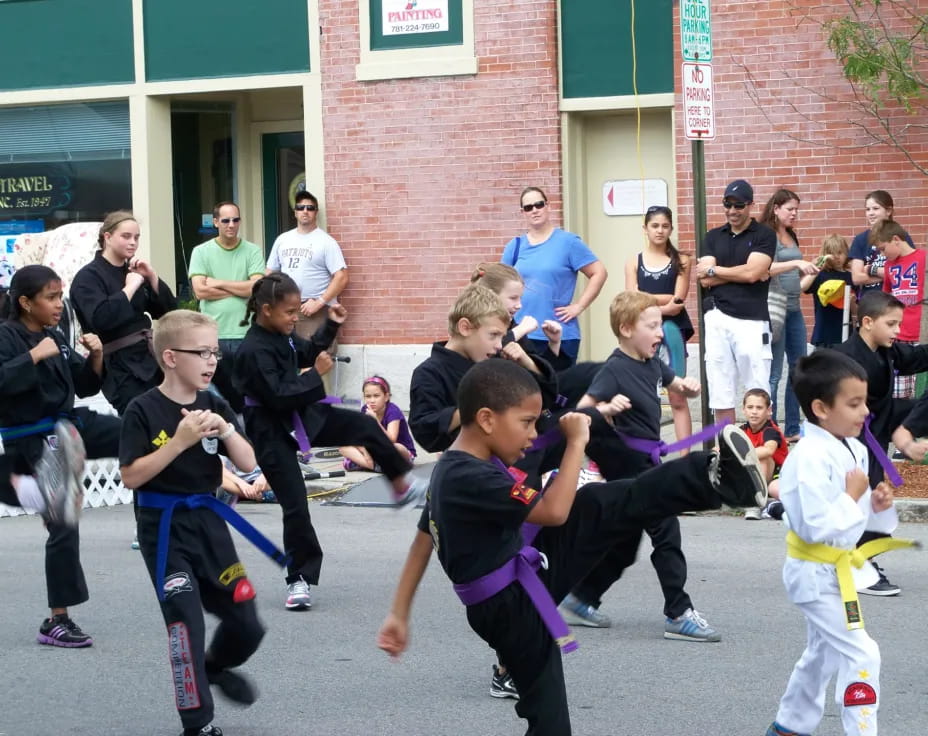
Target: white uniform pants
x=737 y=354
x=833 y=650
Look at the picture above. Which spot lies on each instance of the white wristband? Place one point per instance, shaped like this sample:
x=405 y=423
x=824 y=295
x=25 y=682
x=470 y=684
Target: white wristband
x=229 y=431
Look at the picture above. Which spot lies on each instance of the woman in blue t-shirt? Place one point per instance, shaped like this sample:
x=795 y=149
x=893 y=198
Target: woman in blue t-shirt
x=780 y=213
x=549 y=258
x=662 y=270
x=866 y=259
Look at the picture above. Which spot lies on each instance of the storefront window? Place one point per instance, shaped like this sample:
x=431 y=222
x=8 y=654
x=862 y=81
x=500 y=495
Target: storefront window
x=61 y=164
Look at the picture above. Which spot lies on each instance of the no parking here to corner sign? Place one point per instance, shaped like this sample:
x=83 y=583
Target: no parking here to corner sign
x=698 y=110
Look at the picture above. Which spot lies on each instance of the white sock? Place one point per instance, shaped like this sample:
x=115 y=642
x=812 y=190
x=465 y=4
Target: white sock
x=28 y=493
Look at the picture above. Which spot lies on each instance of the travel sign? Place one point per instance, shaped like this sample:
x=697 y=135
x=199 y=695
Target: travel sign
x=33 y=192
x=695 y=30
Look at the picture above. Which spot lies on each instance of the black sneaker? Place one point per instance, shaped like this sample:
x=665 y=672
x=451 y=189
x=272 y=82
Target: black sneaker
x=208 y=730
x=502 y=686
x=61 y=631
x=736 y=475
x=234 y=686
x=774 y=510
x=881 y=587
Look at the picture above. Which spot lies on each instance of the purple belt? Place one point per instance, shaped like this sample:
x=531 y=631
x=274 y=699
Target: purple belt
x=523 y=568
x=658 y=448
x=299 y=429
x=880 y=454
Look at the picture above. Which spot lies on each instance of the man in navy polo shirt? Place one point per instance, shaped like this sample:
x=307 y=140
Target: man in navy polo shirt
x=734 y=270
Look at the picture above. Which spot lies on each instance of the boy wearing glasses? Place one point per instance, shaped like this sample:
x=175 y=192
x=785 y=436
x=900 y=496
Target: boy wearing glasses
x=312 y=258
x=734 y=270
x=222 y=272
x=169 y=454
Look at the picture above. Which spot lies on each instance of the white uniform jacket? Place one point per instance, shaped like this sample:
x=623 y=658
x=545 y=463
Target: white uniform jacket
x=812 y=489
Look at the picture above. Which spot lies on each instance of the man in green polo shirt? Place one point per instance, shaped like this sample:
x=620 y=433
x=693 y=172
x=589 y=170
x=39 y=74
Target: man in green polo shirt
x=222 y=272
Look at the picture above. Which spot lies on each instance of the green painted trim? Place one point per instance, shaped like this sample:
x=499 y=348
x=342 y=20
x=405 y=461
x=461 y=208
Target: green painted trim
x=270 y=143
x=217 y=38
x=454 y=36
x=597 y=51
x=66 y=43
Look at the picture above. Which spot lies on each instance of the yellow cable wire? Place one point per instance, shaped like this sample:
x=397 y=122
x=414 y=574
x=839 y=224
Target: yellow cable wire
x=637 y=107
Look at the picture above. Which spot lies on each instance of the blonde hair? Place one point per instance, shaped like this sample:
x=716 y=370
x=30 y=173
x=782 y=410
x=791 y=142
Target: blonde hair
x=476 y=304
x=836 y=247
x=627 y=307
x=111 y=222
x=169 y=329
x=495 y=276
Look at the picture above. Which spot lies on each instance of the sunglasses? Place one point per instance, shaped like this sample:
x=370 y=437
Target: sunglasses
x=654 y=209
x=728 y=205
x=227 y=220
x=307 y=207
x=539 y=205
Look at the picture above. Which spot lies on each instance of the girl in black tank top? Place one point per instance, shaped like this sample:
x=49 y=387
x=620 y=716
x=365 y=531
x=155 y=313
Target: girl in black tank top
x=662 y=271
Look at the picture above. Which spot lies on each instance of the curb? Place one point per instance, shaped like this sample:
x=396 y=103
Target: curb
x=912 y=509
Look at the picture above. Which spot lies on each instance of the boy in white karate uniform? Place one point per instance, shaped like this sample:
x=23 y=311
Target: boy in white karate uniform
x=828 y=505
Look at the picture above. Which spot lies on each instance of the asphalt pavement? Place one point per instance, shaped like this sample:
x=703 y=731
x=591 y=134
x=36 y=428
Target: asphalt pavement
x=320 y=672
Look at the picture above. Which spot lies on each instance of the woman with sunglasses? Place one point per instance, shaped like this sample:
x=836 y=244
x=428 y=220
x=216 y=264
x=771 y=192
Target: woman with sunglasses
x=115 y=297
x=788 y=267
x=549 y=259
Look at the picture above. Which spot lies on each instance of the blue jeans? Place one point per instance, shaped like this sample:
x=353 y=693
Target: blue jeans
x=792 y=342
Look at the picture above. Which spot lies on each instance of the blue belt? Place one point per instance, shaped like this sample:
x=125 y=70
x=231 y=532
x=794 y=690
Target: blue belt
x=167 y=502
x=45 y=425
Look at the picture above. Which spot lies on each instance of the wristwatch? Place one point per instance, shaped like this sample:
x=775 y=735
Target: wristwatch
x=678 y=300
x=710 y=272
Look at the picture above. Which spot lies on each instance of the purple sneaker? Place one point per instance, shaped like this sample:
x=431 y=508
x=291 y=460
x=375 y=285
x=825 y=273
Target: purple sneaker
x=61 y=631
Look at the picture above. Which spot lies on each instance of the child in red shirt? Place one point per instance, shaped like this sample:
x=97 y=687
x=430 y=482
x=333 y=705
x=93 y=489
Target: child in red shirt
x=770 y=446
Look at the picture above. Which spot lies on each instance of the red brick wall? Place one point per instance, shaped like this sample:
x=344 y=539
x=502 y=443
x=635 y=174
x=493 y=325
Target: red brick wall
x=423 y=175
x=787 y=60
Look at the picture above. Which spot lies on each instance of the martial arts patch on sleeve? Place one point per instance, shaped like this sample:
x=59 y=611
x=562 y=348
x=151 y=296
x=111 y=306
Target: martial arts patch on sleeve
x=859 y=693
x=521 y=492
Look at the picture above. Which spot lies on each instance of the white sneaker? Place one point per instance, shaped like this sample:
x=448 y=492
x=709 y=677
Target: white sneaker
x=71 y=447
x=298 y=596
x=753 y=514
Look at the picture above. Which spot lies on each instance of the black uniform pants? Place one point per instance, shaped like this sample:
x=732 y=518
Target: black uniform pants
x=602 y=514
x=64 y=576
x=223 y=378
x=279 y=464
x=203 y=572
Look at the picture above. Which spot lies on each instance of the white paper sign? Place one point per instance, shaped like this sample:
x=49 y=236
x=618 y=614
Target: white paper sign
x=633 y=196
x=414 y=16
x=698 y=109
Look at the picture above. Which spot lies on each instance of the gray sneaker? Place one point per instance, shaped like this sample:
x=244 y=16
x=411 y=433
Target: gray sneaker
x=298 y=596
x=414 y=494
x=690 y=626
x=577 y=613
x=71 y=447
x=58 y=472
x=736 y=472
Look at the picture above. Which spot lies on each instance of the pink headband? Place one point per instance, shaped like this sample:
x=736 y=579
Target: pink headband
x=378 y=381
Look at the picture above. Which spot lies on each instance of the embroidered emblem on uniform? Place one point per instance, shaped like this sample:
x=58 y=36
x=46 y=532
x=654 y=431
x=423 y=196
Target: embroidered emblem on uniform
x=852 y=611
x=65 y=351
x=185 y=684
x=161 y=439
x=176 y=582
x=210 y=445
x=244 y=591
x=521 y=492
x=232 y=572
x=859 y=693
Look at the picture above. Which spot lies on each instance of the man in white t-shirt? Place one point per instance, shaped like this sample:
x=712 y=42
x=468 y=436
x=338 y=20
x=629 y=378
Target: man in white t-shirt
x=312 y=258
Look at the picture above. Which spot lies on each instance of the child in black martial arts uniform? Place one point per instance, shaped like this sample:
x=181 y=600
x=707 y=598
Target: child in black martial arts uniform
x=874 y=346
x=478 y=519
x=111 y=296
x=280 y=374
x=169 y=454
x=39 y=377
x=625 y=391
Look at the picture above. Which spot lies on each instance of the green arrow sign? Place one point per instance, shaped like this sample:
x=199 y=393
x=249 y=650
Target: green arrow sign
x=695 y=30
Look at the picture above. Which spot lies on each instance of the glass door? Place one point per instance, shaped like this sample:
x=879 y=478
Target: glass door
x=284 y=169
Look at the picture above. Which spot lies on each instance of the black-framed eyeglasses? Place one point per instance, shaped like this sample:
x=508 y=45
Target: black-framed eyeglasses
x=204 y=353
x=539 y=205
x=307 y=207
x=227 y=220
x=729 y=205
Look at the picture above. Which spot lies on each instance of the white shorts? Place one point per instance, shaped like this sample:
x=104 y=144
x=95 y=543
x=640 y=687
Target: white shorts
x=737 y=357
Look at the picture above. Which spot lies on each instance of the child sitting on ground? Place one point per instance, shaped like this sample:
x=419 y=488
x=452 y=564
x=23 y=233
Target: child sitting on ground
x=770 y=446
x=377 y=404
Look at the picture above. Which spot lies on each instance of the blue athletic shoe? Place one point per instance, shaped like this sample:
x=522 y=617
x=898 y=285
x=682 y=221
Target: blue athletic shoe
x=690 y=626
x=777 y=730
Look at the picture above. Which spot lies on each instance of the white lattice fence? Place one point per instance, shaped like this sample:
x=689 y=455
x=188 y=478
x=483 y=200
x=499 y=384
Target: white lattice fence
x=102 y=484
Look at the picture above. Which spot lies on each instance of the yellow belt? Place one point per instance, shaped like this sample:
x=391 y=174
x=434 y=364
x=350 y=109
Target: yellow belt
x=842 y=559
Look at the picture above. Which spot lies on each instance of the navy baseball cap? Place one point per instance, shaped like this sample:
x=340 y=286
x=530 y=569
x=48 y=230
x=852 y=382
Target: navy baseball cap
x=739 y=189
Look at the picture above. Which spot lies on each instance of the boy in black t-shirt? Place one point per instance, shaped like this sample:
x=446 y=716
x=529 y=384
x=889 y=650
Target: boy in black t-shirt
x=481 y=517
x=625 y=392
x=169 y=451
